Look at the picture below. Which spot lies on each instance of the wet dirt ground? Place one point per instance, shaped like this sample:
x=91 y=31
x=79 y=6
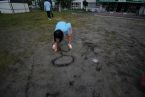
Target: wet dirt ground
x=109 y=58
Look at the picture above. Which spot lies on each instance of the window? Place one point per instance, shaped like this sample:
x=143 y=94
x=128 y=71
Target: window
x=76 y=5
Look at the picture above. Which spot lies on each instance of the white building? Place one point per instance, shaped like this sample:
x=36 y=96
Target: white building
x=92 y=6
x=7 y=7
x=78 y=4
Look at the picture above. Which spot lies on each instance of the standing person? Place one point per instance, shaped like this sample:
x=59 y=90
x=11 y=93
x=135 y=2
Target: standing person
x=85 y=4
x=51 y=8
x=62 y=29
x=47 y=7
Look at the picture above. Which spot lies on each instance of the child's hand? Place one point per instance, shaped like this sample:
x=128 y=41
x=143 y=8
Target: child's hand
x=54 y=47
x=69 y=46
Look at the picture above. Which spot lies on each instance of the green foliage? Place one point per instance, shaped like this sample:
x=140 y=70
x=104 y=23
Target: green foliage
x=65 y=3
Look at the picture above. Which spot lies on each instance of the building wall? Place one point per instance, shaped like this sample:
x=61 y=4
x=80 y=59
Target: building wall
x=131 y=1
x=76 y=5
x=20 y=7
x=78 y=0
x=91 y=0
x=83 y=0
x=6 y=7
x=91 y=4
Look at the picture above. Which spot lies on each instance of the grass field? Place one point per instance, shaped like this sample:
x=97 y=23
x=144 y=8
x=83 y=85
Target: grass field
x=116 y=44
x=19 y=33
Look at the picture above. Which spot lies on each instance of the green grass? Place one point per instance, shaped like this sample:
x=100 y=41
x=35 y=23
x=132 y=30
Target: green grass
x=34 y=18
x=32 y=28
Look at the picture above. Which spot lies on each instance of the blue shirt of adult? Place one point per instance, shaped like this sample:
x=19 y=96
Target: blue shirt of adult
x=47 y=6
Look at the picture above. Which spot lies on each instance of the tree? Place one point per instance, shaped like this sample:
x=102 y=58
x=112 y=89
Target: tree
x=29 y=2
x=41 y=5
x=64 y=4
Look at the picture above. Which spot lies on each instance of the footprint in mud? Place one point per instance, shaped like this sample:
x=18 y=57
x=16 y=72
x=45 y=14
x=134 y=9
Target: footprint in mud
x=92 y=51
x=90 y=46
x=52 y=94
x=71 y=83
x=20 y=61
x=98 y=67
x=96 y=94
x=76 y=76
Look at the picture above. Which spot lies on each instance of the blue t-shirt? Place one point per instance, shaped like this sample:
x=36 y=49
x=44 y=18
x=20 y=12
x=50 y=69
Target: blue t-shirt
x=63 y=26
x=47 y=6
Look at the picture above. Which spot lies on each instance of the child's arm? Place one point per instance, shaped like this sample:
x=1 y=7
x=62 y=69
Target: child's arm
x=69 y=39
x=69 y=36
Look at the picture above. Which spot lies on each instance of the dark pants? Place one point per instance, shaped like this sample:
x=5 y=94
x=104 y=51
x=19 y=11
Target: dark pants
x=48 y=14
x=51 y=13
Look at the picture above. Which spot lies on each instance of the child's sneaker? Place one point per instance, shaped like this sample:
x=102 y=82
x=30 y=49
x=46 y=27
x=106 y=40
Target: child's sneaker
x=49 y=18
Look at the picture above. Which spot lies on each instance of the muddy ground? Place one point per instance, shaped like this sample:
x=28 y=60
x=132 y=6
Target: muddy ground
x=109 y=58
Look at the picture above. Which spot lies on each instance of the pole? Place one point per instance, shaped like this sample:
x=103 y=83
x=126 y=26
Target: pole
x=11 y=6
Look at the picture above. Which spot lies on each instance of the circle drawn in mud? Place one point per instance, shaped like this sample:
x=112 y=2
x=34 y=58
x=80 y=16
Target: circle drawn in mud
x=59 y=61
